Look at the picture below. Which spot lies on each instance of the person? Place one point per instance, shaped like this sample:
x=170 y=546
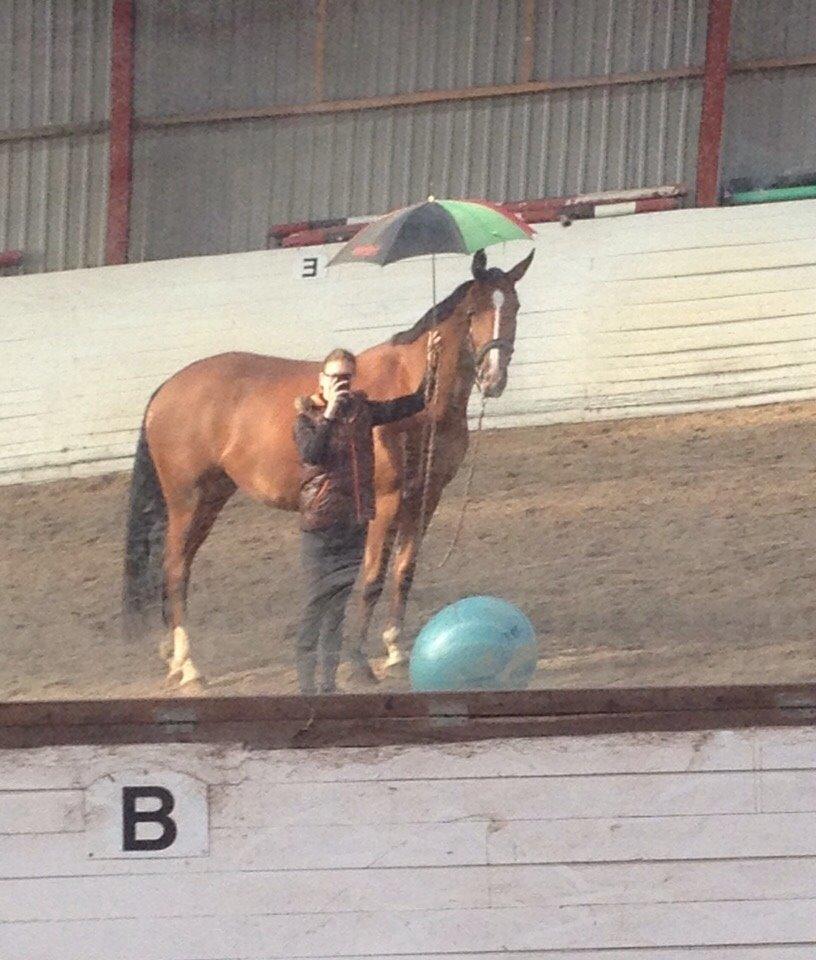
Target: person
x=333 y=433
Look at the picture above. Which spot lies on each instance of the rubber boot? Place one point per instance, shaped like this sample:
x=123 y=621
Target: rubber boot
x=328 y=682
x=306 y=665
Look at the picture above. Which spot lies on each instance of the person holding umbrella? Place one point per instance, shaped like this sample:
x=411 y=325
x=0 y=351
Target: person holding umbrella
x=333 y=433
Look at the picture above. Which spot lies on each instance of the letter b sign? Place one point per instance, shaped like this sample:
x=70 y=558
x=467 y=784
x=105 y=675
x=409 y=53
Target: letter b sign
x=141 y=814
x=159 y=816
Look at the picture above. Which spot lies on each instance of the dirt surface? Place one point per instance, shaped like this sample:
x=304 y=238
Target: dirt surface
x=664 y=551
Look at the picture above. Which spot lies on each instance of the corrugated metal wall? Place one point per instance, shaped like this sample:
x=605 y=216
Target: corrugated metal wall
x=380 y=47
x=585 y=38
x=213 y=188
x=192 y=57
x=217 y=188
x=222 y=186
x=769 y=116
x=54 y=66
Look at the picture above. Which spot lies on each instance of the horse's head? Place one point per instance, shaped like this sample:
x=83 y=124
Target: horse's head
x=492 y=306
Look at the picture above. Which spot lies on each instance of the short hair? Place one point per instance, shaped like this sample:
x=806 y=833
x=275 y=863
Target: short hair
x=340 y=354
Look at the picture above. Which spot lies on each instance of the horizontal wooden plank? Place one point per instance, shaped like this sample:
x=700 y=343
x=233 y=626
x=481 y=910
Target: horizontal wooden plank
x=446 y=706
x=694 y=288
x=75 y=766
x=274 y=847
x=652 y=838
x=327 y=893
x=402 y=718
x=48 y=811
x=713 y=259
x=787 y=749
x=775 y=952
x=730 y=308
x=420 y=932
x=250 y=804
x=673 y=752
x=790 y=791
x=474 y=842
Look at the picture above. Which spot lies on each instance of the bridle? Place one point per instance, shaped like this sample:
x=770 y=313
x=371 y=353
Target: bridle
x=497 y=343
x=503 y=344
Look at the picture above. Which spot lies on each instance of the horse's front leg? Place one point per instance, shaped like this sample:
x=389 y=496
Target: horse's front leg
x=409 y=539
x=379 y=543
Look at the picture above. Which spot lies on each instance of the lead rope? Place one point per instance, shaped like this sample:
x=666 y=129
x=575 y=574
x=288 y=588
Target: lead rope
x=468 y=484
x=428 y=445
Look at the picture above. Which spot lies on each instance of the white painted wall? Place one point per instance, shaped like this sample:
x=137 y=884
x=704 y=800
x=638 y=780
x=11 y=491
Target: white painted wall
x=655 y=313
x=646 y=847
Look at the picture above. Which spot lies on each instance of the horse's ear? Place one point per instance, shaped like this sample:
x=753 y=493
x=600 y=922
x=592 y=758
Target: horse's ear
x=479 y=266
x=517 y=272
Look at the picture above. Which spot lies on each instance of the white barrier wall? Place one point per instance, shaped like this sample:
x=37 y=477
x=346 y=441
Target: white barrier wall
x=686 y=846
x=654 y=313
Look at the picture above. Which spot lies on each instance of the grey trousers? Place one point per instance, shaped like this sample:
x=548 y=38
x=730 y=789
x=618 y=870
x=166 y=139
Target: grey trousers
x=331 y=560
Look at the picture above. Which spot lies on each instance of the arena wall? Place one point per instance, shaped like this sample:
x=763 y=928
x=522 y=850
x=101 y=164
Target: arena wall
x=629 y=316
x=697 y=844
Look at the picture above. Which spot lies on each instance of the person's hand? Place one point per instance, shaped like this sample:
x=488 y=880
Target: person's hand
x=335 y=393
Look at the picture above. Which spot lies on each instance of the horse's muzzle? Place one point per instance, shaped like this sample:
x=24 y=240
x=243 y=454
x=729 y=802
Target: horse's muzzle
x=491 y=387
x=492 y=361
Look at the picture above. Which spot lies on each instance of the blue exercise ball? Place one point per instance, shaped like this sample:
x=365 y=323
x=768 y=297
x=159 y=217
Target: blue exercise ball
x=479 y=643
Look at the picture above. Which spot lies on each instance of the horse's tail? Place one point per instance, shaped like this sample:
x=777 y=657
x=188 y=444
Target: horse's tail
x=143 y=592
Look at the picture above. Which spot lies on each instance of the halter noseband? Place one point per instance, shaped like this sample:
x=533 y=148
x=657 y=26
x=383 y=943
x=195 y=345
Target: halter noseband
x=498 y=343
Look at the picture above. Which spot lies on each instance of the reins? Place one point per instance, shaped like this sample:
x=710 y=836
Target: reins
x=468 y=484
x=429 y=442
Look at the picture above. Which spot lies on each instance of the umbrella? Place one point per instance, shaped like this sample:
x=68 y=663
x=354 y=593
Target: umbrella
x=435 y=226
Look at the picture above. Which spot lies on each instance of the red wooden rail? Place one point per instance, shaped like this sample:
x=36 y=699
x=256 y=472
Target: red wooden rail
x=306 y=233
x=376 y=719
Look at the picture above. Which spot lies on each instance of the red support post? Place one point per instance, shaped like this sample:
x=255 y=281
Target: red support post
x=718 y=37
x=121 y=133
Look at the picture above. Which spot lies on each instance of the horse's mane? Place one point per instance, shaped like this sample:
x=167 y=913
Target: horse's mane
x=442 y=310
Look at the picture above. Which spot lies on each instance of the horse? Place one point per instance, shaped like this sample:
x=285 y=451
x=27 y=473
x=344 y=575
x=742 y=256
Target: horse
x=226 y=422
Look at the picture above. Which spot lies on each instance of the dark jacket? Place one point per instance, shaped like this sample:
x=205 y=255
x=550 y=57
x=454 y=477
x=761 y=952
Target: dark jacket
x=337 y=456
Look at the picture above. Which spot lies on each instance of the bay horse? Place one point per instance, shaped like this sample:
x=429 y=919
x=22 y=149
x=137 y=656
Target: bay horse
x=226 y=423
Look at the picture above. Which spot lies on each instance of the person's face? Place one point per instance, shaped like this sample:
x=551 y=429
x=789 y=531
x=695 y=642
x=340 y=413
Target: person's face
x=335 y=372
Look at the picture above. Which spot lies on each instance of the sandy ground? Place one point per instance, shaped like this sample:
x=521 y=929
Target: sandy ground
x=664 y=551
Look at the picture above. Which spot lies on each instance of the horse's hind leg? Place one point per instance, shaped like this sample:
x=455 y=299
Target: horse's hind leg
x=188 y=525
x=181 y=511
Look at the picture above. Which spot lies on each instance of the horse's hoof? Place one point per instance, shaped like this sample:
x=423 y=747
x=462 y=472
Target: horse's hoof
x=183 y=674
x=395 y=658
x=193 y=688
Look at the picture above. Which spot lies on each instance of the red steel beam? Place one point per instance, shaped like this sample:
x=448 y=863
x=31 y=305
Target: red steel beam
x=10 y=258
x=120 y=166
x=527 y=55
x=715 y=74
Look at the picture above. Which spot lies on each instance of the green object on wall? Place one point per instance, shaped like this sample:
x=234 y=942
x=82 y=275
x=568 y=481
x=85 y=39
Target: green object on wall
x=769 y=196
